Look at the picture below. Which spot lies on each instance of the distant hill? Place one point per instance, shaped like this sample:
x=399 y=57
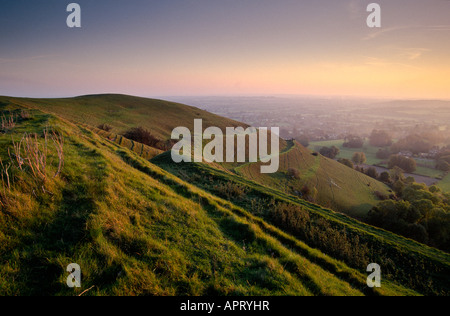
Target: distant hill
x=123 y=112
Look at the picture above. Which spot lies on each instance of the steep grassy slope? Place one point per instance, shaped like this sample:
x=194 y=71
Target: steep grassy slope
x=404 y=261
x=338 y=186
x=135 y=229
x=195 y=229
x=123 y=112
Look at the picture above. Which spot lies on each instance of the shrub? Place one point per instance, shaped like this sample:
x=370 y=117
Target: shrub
x=372 y=172
x=359 y=158
x=385 y=177
x=383 y=153
x=105 y=127
x=347 y=162
x=353 y=142
x=230 y=190
x=293 y=173
x=443 y=165
x=380 y=139
x=329 y=152
x=405 y=163
x=143 y=136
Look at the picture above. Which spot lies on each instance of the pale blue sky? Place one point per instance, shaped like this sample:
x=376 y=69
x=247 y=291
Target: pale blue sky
x=204 y=47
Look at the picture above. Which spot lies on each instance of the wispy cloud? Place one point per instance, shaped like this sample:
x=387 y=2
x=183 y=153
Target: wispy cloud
x=381 y=62
x=383 y=31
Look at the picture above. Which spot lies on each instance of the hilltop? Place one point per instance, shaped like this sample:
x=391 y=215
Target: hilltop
x=123 y=112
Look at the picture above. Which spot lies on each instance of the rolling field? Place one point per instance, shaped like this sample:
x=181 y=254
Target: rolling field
x=425 y=167
x=370 y=151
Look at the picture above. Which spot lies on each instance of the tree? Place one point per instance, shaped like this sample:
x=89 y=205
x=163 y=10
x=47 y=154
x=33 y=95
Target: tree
x=372 y=172
x=352 y=141
x=396 y=174
x=347 y=162
x=380 y=139
x=330 y=152
x=359 y=158
x=405 y=163
x=383 y=153
x=443 y=165
x=413 y=143
x=385 y=177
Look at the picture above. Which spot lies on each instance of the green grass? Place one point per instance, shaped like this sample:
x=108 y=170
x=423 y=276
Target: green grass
x=409 y=260
x=137 y=230
x=123 y=112
x=444 y=185
x=370 y=151
x=157 y=228
x=338 y=186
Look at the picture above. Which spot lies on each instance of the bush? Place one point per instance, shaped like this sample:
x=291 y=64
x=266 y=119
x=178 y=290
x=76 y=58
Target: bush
x=347 y=162
x=329 y=152
x=383 y=153
x=359 y=158
x=230 y=190
x=353 y=142
x=385 y=177
x=293 y=173
x=443 y=165
x=422 y=214
x=405 y=163
x=105 y=127
x=380 y=139
x=372 y=172
x=143 y=136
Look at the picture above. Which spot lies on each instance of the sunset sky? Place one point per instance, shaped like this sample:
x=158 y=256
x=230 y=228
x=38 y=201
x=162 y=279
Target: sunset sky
x=225 y=47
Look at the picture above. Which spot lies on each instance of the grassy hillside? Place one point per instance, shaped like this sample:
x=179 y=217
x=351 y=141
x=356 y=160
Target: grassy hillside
x=338 y=186
x=135 y=229
x=404 y=261
x=123 y=112
x=140 y=227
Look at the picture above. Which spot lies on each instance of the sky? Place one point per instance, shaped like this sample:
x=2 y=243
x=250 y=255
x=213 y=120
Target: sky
x=225 y=47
